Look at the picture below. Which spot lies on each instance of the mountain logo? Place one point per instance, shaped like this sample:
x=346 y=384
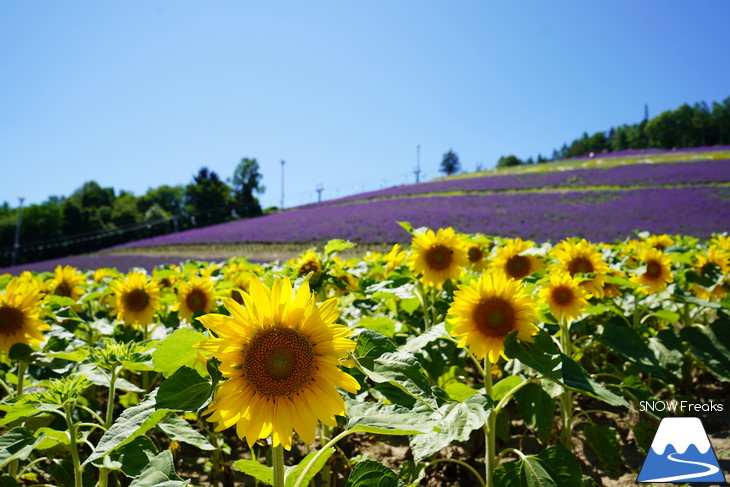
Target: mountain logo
x=681 y=452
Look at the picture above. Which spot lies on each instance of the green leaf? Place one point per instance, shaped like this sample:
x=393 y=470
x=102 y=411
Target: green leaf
x=20 y=352
x=418 y=343
x=459 y=391
x=131 y=458
x=176 y=351
x=386 y=419
x=19 y=410
x=668 y=350
x=8 y=481
x=259 y=471
x=381 y=324
x=410 y=305
x=52 y=438
x=70 y=355
x=502 y=387
x=552 y=467
x=160 y=473
x=62 y=471
x=292 y=474
x=17 y=444
x=337 y=245
x=543 y=356
x=536 y=407
x=132 y=423
x=406 y=226
x=378 y=358
x=628 y=344
x=711 y=346
x=185 y=390
x=666 y=315
x=456 y=421
x=604 y=442
x=176 y=428
x=402 y=371
x=372 y=474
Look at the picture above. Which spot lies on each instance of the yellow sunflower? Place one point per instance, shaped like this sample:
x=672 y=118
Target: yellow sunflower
x=279 y=353
x=485 y=311
x=660 y=242
x=564 y=295
x=308 y=262
x=136 y=299
x=394 y=259
x=66 y=281
x=721 y=241
x=658 y=271
x=476 y=251
x=715 y=260
x=19 y=309
x=581 y=258
x=511 y=260
x=194 y=295
x=438 y=256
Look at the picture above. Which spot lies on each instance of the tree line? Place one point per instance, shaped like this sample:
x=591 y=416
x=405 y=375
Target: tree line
x=95 y=217
x=698 y=125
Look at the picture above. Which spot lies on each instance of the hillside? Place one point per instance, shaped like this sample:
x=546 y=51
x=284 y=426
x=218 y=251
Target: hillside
x=602 y=199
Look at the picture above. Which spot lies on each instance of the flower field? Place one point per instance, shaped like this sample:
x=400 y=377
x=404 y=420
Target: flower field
x=454 y=359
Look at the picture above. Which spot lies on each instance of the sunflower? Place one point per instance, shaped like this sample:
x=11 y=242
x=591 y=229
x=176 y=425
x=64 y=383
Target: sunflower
x=564 y=295
x=658 y=271
x=66 y=281
x=581 y=258
x=512 y=261
x=19 y=309
x=438 y=256
x=194 y=295
x=394 y=259
x=722 y=241
x=279 y=353
x=308 y=262
x=485 y=311
x=477 y=250
x=715 y=261
x=136 y=299
x=659 y=242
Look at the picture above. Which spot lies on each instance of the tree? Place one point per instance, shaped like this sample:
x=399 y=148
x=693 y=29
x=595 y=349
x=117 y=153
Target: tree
x=508 y=161
x=246 y=182
x=208 y=197
x=450 y=163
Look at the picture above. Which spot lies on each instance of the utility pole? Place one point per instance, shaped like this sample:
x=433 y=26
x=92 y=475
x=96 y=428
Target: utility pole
x=282 y=184
x=319 y=193
x=16 y=245
x=417 y=172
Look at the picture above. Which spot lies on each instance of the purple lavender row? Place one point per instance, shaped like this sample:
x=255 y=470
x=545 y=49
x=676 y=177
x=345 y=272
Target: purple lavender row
x=693 y=172
x=595 y=215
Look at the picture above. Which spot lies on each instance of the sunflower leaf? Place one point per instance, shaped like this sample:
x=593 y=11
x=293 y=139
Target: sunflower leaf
x=386 y=419
x=132 y=423
x=17 y=444
x=176 y=428
x=256 y=470
x=185 y=390
x=456 y=421
x=176 y=350
x=160 y=473
x=553 y=467
x=292 y=474
x=370 y=473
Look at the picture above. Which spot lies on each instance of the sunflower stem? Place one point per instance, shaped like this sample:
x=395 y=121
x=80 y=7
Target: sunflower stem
x=330 y=444
x=490 y=459
x=458 y=462
x=22 y=366
x=425 y=306
x=104 y=472
x=566 y=398
x=73 y=446
x=277 y=460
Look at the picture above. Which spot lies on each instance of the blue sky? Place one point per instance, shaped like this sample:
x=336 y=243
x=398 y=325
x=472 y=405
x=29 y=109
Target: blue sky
x=138 y=94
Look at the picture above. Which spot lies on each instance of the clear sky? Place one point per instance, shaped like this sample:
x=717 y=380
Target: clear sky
x=138 y=94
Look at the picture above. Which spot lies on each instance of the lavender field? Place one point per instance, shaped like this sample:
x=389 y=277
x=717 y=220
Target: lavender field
x=654 y=174
x=595 y=215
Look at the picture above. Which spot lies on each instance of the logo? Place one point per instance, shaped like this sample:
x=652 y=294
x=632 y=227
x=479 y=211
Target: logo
x=681 y=452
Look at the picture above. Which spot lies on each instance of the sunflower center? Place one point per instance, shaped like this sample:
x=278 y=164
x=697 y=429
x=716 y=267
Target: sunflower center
x=653 y=269
x=136 y=300
x=562 y=295
x=236 y=296
x=63 y=289
x=279 y=362
x=580 y=265
x=438 y=257
x=307 y=267
x=196 y=300
x=494 y=317
x=11 y=320
x=518 y=266
x=475 y=254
